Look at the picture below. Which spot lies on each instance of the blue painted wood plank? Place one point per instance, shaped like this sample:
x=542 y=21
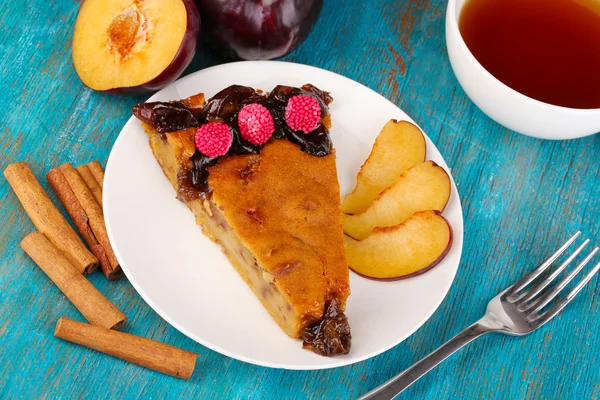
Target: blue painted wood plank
x=521 y=197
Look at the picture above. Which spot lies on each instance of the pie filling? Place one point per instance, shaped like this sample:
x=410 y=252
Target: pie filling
x=172 y=131
x=260 y=281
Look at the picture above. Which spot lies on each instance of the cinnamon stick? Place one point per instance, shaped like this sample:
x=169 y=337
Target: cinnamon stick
x=145 y=352
x=85 y=297
x=111 y=269
x=91 y=183
x=60 y=185
x=47 y=219
x=98 y=172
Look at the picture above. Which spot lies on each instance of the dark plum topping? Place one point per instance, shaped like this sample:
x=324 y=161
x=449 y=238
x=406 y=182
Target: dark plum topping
x=199 y=174
x=317 y=142
x=224 y=107
x=166 y=117
x=331 y=335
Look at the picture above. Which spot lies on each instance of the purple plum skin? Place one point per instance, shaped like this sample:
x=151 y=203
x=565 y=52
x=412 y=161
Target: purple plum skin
x=257 y=30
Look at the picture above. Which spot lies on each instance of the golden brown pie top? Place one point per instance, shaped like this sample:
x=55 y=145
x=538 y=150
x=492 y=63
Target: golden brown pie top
x=284 y=206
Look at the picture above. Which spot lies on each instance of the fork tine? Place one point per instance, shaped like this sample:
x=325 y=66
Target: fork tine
x=527 y=279
x=546 y=298
x=548 y=315
x=534 y=291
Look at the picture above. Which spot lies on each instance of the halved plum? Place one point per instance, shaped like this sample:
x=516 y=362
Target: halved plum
x=134 y=46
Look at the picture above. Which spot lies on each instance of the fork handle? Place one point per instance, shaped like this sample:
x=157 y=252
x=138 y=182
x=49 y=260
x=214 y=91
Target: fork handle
x=396 y=385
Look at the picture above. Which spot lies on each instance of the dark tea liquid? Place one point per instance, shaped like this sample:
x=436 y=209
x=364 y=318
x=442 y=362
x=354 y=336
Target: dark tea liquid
x=545 y=49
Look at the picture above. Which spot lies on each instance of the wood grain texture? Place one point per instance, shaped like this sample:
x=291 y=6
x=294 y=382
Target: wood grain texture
x=521 y=197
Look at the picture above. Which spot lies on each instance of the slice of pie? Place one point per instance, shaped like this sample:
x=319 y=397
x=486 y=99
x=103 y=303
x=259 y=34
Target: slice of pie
x=259 y=173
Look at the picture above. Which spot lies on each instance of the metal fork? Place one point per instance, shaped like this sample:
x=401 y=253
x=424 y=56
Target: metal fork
x=515 y=311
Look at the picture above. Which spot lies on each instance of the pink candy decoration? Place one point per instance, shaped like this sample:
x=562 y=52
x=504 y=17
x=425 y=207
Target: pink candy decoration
x=256 y=123
x=213 y=139
x=303 y=113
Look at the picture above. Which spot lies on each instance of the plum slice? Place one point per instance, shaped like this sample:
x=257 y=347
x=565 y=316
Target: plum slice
x=425 y=186
x=134 y=46
x=401 y=251
x=399 y=146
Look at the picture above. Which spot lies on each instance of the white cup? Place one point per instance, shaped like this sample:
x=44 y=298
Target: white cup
x=505 y=105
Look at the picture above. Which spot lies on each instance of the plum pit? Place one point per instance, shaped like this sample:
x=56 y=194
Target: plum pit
x=124 y=30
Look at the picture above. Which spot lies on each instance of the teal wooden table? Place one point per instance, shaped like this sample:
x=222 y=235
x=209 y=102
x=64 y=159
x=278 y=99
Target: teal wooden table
x=521 y=197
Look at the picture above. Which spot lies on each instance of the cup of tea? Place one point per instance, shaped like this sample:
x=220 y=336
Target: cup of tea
x=530 y=65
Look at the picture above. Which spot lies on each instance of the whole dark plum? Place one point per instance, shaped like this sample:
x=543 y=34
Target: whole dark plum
x=257 y=29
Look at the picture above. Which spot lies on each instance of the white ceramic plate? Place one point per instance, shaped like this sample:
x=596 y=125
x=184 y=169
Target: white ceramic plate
x=186 y=279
